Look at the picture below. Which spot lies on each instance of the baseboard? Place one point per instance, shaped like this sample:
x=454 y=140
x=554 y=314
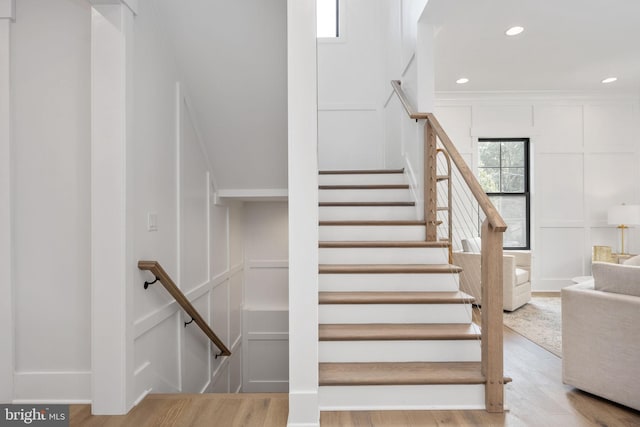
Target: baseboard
x=304 y=409
x=52 y=387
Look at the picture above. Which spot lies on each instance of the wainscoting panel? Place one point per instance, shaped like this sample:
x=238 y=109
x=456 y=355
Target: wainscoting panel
x=266 y=344
x=563 y=128
x=559 y=187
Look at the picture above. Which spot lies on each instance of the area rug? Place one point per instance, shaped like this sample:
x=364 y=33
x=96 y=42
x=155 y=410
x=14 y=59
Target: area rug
x=539 y=321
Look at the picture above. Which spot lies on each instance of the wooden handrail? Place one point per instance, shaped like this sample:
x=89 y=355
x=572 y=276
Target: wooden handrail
x=495 y=220
x=492 y=231
x=413 y=114
x=161 y=275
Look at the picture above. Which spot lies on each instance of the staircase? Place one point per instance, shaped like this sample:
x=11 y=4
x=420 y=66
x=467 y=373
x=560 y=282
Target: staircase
x=395 y=331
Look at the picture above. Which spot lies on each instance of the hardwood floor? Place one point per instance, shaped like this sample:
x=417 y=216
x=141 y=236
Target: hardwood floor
x=536 y=397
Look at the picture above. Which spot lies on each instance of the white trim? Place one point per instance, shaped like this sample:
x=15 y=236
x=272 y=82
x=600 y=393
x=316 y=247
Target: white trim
x=267 y=263
x=132 y=5
x=112 y=265
x=8 y=11
x=52 y=387
x=302 y=122
x=6 y=234
x=347 y=107
x=564 y=97
x=142 y=396
x=503 y=131
x=253 y=194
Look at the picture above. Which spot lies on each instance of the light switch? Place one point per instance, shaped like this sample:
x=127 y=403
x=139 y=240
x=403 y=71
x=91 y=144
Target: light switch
x=152 y=221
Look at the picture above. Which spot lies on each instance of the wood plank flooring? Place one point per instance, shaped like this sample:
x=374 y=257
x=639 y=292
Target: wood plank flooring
x=535 y=398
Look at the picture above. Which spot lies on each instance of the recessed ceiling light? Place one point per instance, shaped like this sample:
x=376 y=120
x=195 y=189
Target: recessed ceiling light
x=609 y=80
x=514 y=31
x=462 y=81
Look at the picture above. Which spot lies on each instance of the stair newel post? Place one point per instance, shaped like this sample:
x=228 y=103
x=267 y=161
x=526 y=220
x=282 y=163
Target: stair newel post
x=492 y=335
x=430 y=182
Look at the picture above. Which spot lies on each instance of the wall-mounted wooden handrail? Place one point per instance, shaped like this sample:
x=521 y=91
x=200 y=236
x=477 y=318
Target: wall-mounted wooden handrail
x=494 y=218
x=413 y=114
x=161 y=275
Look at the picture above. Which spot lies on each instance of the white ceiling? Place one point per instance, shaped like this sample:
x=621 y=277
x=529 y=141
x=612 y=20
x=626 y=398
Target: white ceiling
x=233 y=59
x=567 y=45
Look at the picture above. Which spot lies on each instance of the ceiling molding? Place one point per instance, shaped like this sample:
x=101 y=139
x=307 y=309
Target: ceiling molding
x=529 y=96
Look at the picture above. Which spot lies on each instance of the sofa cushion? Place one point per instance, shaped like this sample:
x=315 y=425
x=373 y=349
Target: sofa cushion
x=522 y=276
x=616 y=278
x=473 y=244
x=633 y=260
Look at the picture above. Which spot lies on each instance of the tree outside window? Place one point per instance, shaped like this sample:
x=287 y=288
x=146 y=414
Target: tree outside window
x=503 y=172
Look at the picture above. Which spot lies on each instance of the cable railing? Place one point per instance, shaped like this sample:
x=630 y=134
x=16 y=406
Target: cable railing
x=460 y=211
x=161 y=276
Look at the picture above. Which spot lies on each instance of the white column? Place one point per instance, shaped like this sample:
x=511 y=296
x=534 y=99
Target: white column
x=7 y=11
x=303 y=214
x=111 y=183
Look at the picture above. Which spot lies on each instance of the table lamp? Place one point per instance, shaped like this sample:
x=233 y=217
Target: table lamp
x=623 y=216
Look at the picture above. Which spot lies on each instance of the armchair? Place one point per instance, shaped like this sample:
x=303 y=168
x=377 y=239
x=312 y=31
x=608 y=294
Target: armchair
x=516 y=274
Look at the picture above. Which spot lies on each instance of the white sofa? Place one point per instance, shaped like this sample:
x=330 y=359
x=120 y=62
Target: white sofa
x=601 y=334
x=516 y=270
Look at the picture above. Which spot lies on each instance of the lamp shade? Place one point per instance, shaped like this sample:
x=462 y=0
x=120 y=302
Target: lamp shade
x=624 y=215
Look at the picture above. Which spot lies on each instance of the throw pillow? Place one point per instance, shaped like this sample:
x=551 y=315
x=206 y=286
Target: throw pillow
x=633 y=260
x=616 y=278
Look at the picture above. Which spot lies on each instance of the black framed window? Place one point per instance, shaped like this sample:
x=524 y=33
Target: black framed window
x=503 y=172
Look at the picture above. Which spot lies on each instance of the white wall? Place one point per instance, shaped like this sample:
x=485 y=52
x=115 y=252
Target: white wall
x=265 y=314
x=234 y=53
x=198 y=243
x=585 y=152
x=51 y=200
x=351 y=90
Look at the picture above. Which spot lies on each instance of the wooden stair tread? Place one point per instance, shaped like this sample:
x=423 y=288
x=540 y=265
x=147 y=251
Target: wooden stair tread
x=388 y=268
x=394 y=298
x=365 y=187
x=366 y=204
x=394 y=332
x=384 y=244
x=405 y=373
x=361 y=171
x=382 y=223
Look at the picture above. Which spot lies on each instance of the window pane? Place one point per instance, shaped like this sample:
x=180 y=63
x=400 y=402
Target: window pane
x=512 y=180
x=327 y=14
x=512 y=154
x=489 y=154
x=514 y=212
x=489 y=179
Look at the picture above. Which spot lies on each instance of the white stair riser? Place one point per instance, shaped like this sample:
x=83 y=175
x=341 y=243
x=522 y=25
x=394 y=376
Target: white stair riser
x=401 y=397
x=400 y=351
x=363 y=179
x=377 y=195
x=364 y=213
x=394 y=313
x=383 y=256
x=389 y=282
x=339 y=233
